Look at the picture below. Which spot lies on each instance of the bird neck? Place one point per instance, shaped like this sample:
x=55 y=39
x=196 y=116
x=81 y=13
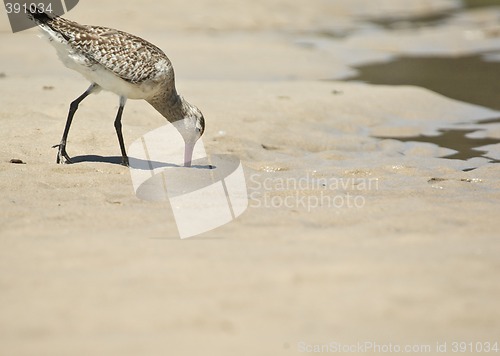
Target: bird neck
x=170 y=104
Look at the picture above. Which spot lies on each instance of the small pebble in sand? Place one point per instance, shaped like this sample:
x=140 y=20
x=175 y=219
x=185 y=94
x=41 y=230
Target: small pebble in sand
x=17 y=161
x=2 y=75
x=47 y=87
x=337 y=92
x=268 y=147
x=434 y=180
x=471 y=180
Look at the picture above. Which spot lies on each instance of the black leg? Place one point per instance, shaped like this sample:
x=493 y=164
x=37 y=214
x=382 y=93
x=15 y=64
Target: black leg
x=61 y=154
x=118 y=128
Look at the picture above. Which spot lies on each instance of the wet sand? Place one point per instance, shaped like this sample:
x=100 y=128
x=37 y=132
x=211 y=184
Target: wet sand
x=88 y=268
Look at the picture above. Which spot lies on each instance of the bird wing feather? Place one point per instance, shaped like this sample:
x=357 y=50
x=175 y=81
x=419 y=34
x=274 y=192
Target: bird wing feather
x=128 y=56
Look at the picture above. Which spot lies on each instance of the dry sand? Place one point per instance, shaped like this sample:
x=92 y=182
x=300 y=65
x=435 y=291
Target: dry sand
x=86 y=268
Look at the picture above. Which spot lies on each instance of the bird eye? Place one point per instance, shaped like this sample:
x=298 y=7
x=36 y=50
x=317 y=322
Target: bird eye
x=200 y=125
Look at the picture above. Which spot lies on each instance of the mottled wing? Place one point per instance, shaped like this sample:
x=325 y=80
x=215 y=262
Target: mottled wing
x=129 y=57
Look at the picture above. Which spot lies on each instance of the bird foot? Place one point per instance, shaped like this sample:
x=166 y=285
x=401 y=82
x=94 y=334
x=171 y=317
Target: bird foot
x=125 y=161
x=62 y=156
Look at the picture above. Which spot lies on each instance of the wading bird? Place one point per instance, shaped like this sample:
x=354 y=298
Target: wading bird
x=123 y=64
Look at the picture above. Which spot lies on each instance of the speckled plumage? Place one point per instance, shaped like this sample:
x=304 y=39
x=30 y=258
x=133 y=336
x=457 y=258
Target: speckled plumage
x=129 y=57
x=90 y=49
x=126 y=65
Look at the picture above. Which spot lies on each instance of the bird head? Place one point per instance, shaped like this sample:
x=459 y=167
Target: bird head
x=186 y=118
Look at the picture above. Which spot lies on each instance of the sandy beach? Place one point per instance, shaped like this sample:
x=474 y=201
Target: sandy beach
x=379 y=242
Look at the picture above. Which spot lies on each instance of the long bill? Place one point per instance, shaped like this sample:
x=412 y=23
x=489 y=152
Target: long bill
x=188 y=153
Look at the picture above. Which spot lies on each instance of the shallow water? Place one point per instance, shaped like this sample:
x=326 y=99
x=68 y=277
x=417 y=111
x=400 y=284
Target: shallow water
x=458 y=140
x=433 y=19
x=469 y=78
x=480 y=3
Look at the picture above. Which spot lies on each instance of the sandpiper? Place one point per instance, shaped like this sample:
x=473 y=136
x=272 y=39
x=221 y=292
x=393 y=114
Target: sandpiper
x=126 y=65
